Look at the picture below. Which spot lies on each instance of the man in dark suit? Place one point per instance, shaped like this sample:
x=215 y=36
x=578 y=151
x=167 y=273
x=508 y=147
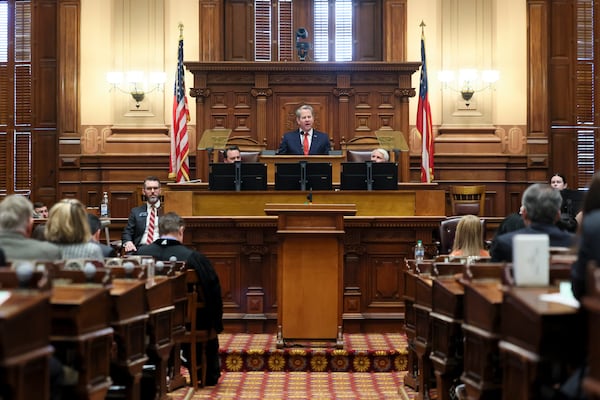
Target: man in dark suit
x=96 y=230
x=141 y=218
x=170 y=241
x=305 y=140
x=169 y=244
x=540 y=210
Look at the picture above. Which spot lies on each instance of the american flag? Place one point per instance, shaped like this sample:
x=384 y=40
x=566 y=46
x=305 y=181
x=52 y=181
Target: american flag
x=424 y=119
x=180 y=168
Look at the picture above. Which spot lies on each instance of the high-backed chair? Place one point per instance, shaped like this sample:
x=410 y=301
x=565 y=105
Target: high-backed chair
x=250 y=148
x=467 y=199
x=359 y=149
x=194 y=336
x=447 y=231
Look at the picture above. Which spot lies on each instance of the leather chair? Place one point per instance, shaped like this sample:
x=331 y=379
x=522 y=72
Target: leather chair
x=447 y=231
x=467 y=199
x=358 y=155
x=192 y=335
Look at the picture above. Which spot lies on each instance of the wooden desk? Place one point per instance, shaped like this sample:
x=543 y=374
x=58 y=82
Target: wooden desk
x=160 y=329
x=446 y=332
x=24 y=345
x=482 y=374
x=81 y=336
x=541 y=340
x=128 y=319
x=251 y=203
x=422 y=306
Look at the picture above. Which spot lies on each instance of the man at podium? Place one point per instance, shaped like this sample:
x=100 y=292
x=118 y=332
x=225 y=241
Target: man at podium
x=305 y=140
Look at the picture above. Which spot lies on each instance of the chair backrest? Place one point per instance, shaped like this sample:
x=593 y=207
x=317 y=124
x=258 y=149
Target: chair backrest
x=360 y=146
x=250 y=148
x=467 y=199
x=448 y=231
x=358 y=155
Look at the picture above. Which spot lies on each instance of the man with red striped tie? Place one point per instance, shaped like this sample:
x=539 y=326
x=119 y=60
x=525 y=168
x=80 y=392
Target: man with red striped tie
x=142 y=225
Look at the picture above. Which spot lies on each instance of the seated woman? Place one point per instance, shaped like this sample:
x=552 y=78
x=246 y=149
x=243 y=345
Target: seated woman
x=468 y=239
x=68 y=228
x=570 y=215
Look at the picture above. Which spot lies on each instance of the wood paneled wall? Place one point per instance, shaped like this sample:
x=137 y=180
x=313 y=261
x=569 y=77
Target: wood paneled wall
x=60 y=169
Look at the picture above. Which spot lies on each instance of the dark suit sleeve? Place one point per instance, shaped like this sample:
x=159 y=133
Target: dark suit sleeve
x=323 y=146
x=500 y=251
x=284 y=146
x=129 y=231
x=588 y=251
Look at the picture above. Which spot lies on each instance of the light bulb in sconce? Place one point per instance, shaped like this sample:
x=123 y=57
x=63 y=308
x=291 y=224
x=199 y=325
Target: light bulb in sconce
x=467 y=80
x=136 y=83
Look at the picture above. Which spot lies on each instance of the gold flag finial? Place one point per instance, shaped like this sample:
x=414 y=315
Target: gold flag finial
x=180 y=26
x=422 y=25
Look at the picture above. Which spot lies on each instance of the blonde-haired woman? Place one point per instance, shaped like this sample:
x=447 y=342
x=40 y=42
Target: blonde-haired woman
x=67 y=227
x=468 y=239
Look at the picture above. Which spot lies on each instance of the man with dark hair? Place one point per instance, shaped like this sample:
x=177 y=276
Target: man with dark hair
x=142 y=225
x=540 y=209
x=169 y=244
x=40 y=210
x=96 y=230
x=232 y=154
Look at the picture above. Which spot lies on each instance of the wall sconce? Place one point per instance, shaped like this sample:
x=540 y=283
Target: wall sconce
x=466 y=80
x=302 y=47
x=137 y=83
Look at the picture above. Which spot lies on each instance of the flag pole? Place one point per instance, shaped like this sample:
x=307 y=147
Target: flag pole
x=423 y=124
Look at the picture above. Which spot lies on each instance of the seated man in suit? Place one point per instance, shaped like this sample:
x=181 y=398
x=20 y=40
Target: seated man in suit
x=540 y=210
x=169 y=244
x=16 y=225
x=170 y=241
x=96 y=230
x=305 y=140
x=142 y=225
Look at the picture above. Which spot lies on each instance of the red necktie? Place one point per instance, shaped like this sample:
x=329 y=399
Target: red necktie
x=305 y=143
x=151 y=225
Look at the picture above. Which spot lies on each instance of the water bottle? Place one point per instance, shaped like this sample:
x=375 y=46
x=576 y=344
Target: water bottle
x=419 y=252
x=104 y=206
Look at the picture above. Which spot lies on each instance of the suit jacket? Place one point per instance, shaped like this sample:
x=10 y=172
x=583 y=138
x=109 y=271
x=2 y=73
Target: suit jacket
x=18 y=247
x=588 y=251
x=212 y=315
x=292 y=143
x=501 y=249
x=136 y=224
x=162 y=249
x=107 y=251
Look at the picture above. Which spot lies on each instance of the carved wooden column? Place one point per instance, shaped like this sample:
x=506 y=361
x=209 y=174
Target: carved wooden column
x=255 y=251
x=343 y=92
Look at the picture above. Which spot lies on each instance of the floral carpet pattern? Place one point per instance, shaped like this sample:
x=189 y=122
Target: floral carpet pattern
x=361 y=353
x=302 y=385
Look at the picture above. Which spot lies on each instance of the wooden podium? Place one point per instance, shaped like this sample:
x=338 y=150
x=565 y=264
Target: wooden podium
x=310 y=270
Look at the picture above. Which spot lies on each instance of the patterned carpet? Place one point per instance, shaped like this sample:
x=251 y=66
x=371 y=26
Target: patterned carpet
x=302 y=385
x=361 y=353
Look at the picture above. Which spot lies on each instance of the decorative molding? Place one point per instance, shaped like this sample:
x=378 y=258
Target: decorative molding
x=261 y=92
x=340 y=92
